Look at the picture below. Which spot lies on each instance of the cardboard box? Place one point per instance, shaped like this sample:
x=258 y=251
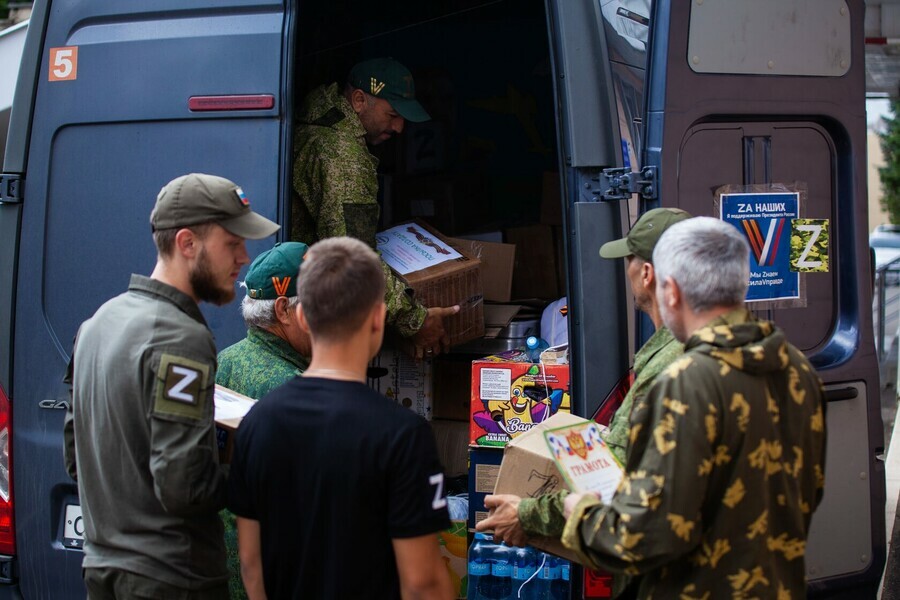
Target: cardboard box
x=452 y=374
x=403 y=380
x=510 y=397
x=454 y=545
x=497 y=262
x=440 y=273
x=230 y=408
x=535 y=274
x=452 y=441
x=528 y=470
x=484 y=467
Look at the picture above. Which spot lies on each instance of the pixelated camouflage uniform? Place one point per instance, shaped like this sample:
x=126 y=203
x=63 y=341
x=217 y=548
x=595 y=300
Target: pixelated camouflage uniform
x=658 y=353
x=254 y=366
x=259 y=363
x=725 y=468
x=336 y=190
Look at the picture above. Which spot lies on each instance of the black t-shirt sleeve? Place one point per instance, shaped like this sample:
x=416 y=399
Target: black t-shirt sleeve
x=417 y=498
x=241 y=491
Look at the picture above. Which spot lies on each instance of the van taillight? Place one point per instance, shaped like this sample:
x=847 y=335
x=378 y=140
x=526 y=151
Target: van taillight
x=614 y=399
x=7 y=528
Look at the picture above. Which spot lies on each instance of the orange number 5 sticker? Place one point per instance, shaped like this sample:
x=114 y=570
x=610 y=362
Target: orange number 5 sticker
x=64 y=63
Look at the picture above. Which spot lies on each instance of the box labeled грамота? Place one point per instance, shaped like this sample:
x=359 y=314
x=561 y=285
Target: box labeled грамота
x=509 y=398
x=528 y=470
x=441 y=274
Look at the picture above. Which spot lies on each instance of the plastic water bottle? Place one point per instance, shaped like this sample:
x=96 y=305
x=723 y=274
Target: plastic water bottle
x=501 y=573
x=547 y=576
x=479 y=570
x=524 y=582
x=534 y=346
x=559 y=588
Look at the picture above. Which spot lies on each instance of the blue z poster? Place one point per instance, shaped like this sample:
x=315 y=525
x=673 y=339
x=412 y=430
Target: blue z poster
x=765 y=220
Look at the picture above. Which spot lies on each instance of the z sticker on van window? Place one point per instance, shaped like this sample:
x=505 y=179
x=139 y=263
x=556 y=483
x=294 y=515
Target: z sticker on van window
x=181 y=387
x=64 y=63
x=809 y=245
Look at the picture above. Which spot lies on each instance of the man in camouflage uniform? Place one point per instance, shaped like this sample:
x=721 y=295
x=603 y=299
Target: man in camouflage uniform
x=335 y=180
x=662 y=348
x=726 y=463
x=139 y=433
x=276 y=348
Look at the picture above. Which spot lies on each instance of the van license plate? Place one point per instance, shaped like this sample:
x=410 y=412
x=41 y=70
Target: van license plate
x=73 y=534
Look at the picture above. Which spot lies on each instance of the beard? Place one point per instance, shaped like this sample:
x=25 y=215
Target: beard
x=204 y=283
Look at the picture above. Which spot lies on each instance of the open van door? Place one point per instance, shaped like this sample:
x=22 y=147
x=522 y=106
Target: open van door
x=103 y=87
x=771 y=92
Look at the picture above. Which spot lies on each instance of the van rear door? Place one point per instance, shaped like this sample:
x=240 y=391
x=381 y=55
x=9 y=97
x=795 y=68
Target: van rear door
x=114 y=100
x=772 y=92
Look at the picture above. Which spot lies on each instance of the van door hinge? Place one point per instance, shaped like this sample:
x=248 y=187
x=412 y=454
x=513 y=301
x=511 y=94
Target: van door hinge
x=620 y=184
x=11 y=188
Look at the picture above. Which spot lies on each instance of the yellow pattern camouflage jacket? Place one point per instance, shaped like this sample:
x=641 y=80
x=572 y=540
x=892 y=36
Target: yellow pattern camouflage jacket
x=336 y=190
x=725 y=468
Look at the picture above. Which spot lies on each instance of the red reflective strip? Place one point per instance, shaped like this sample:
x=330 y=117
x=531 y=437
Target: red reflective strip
x=245 y=102
x=876 y=41
x=7 y=525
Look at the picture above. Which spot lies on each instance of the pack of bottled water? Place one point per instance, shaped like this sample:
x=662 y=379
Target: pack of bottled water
x=501 y=572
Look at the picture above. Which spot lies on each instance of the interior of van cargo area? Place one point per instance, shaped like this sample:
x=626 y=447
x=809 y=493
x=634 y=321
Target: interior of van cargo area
x=486 y=163
x=484 y=171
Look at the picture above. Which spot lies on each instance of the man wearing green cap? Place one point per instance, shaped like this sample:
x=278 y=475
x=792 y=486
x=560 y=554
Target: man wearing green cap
x=335 y=180
x=139 y=432
x=276 y=348
x=662 y=348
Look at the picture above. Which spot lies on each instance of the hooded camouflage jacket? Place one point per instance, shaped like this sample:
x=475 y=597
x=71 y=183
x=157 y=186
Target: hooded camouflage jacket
x=725 y=468
x=336 y=190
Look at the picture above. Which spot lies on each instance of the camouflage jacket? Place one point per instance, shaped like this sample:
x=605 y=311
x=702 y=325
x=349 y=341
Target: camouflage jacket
x=258 y=364
x=658 y=353
x=336 y=190
x=725 y=468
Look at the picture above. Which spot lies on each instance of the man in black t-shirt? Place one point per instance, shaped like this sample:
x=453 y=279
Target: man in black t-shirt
x=338 y=491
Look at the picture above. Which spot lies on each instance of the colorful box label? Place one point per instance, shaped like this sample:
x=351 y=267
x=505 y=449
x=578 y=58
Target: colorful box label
x=509 y=398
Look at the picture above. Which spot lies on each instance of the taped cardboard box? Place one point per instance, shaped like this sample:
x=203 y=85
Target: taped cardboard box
x=497 y=262
x=440 y=273
x=528 y=470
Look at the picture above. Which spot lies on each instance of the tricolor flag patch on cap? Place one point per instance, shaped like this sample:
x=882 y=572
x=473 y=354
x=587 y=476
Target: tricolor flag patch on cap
x=241 y=196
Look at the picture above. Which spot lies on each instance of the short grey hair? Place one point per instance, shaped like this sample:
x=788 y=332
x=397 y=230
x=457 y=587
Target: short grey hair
x=708 y=258
x=261 y=313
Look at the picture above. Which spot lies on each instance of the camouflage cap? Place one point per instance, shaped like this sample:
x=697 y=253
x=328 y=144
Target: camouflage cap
x=274 y=272
x=199 y=198
x=387 y=79
x=642 y=238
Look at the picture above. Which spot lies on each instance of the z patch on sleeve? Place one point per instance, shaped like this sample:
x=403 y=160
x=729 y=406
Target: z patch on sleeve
x=181 y=387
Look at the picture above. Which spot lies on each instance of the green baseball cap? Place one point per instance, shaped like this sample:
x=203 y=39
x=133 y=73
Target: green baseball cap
x=274 y=272
x=642 y=238
x=386 y=78
x=199 y=198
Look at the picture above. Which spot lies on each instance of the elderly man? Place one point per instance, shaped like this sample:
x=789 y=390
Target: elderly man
x=726 y=464
x=139 y=432
x=662 y=347
x=335 y=178
x=276 y=347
